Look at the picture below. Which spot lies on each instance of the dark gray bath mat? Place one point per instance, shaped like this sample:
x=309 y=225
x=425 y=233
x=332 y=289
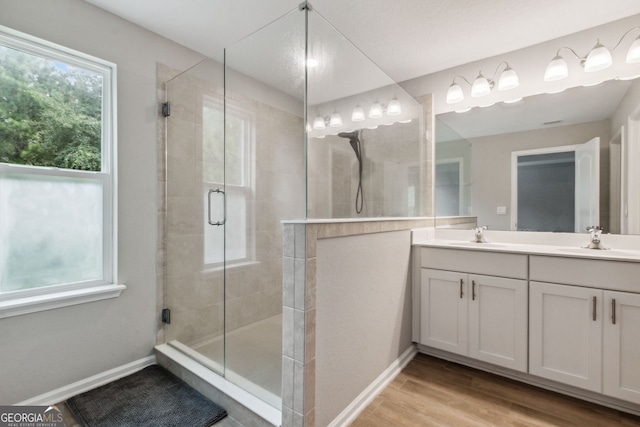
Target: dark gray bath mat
x=150 y=397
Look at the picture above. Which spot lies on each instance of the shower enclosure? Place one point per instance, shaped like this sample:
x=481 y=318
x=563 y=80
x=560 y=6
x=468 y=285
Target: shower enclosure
x=245 y=150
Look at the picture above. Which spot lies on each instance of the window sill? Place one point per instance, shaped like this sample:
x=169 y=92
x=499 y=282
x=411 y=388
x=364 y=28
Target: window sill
x=33 y=304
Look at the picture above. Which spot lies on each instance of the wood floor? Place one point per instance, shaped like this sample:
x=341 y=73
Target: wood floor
x=433 y=392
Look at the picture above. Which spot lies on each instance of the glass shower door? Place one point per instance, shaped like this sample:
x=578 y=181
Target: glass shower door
x=235 y=168
x=195 y=214
x=265 y=184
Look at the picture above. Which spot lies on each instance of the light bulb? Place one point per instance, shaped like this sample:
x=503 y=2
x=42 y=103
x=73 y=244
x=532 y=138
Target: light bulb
x=480 y=86
x=358 y=114
x=556 y=70
x=454 y=94
x=335 y=120
x=318 y=123
x=375 y=112
x=598 y=59
x=394 y=108
x=633 y=54
x=508 y=79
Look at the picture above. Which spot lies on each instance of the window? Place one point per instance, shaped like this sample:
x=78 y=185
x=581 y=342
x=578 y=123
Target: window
x=227 y=166
x=57 y=175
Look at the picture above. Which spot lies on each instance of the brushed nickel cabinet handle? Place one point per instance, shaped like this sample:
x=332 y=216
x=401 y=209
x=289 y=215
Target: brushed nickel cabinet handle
x=594 y=308
x=613 y=311
x=461 y=292
x=473 y=290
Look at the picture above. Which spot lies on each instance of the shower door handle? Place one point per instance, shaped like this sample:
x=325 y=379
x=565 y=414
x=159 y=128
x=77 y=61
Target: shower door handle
x=224 y=219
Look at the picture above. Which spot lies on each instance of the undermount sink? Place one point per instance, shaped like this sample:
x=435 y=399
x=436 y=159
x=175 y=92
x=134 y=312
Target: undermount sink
x=479 y=245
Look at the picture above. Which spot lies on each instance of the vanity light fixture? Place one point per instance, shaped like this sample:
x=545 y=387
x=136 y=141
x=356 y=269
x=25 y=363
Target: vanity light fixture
x=394 y=108
x=318 y=123
x=375 y=112
x=482 y=86
x=358 y=114
x=598 y=58
x=335 y=120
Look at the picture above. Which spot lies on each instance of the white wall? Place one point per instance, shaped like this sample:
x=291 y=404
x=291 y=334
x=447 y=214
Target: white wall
x=363 y=314
x=47 y=350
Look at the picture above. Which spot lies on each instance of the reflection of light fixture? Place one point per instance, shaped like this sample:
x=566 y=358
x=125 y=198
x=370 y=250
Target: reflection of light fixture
x=311 y=63
x=394 y=108
x=482 y=86
x=318 y=123
x=358 y=114
x=598 y=58
x=375 y=112
x=335 y=120
x=512 y=101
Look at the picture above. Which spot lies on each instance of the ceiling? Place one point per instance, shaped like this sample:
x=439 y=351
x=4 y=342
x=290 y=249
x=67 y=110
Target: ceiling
x=405 y=38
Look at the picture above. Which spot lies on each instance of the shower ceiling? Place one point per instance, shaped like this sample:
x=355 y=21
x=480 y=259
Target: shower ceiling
x=406 y=38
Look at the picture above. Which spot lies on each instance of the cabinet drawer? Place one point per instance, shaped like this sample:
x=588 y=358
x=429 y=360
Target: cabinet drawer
x=476 y=262
x=613 y=275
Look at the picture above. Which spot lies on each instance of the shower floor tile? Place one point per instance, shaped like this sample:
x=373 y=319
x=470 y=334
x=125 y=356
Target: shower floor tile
x=253 y=358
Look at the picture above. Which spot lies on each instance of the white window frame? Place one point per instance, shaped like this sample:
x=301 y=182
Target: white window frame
x=20 y=302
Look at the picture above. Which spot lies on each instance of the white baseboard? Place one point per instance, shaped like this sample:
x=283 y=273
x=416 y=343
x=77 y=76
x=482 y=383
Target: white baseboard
x=351 y=412
x=63 y=393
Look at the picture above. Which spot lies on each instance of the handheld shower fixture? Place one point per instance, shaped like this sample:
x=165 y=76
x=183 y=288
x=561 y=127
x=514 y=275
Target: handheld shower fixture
x=354 y=140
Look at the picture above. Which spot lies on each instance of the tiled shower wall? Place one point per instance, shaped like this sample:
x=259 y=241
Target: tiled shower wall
x=391 y=165
x=254 y=290
x=397 y=174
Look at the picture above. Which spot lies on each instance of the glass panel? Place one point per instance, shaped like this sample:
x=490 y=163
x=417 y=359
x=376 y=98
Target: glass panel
x=265 y=141
x=194 y=249
x=366 y=157
x=44 y=241
x=51 y=112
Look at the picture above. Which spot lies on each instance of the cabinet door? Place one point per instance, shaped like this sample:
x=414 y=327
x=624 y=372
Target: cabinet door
x=622 y=346
x=498 y=321
x=565 y=334
x=443 y=319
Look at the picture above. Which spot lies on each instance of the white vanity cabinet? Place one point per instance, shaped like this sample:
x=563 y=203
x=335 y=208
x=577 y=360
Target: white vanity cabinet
x=565 y=334
x=584 y=325
x=467 y=311
x=621 y=346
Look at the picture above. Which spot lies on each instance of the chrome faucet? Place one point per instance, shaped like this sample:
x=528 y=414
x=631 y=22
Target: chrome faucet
x=479 y=236
x=594 y=238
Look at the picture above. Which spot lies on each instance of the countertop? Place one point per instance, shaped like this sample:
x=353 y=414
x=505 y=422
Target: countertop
x=534 y=249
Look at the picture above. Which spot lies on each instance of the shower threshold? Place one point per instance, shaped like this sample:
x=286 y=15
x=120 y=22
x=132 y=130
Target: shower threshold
x=239 y=403
x=229 y=375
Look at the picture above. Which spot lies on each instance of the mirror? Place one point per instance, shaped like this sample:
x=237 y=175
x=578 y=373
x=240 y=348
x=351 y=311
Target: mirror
x=549 y=162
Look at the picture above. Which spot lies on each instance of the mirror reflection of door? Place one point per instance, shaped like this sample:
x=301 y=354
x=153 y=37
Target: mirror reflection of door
x=448 y=193
x=556 y=189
